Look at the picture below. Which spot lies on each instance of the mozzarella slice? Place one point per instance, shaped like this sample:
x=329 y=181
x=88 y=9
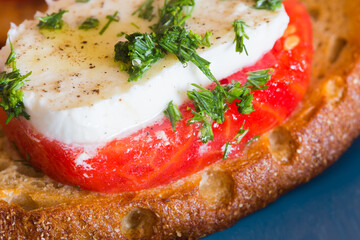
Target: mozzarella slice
x=77 y=93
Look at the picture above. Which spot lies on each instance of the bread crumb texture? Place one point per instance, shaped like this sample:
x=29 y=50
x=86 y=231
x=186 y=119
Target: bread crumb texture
x=322 y=128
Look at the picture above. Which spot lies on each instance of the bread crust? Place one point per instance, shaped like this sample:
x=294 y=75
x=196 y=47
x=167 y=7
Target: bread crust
x=322 y=128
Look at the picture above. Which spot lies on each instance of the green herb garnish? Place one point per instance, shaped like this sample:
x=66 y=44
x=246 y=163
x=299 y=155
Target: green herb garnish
x=82 y=1
x=227 y=150
x=256 y=80
x=137 y=54
x=120 y=34
x=174 y=13
x=241 y=134
x=206 y=132
x=111 y=18
x=146 y=10
x=53 y=21
x=135 y=25
x=268 y=4
x=169 y=36
x=89 y=23
x=240 y=35
x=183 y=44
x=206 y=39
x=173 y=113
x=11 y=94
x=211 y=105
x=252 y=139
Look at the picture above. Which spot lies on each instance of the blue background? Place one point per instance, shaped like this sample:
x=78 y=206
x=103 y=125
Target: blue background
x=328 y=207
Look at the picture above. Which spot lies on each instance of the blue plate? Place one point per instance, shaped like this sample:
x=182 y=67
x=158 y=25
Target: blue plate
x=328 y=207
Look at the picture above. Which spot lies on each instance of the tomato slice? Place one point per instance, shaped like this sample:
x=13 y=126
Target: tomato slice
x=157 y=155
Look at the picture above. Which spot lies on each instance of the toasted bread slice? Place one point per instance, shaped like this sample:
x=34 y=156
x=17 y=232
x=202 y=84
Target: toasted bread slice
x=322 y=128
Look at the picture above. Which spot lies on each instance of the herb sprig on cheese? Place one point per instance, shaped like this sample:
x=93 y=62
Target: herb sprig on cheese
x=111 y=18
x=11 y=94
x=141 y=50
x=146 y=10
x=53 y=21
x=268 y=4
x=240 y=35
x=89 y=23
x=137 y=54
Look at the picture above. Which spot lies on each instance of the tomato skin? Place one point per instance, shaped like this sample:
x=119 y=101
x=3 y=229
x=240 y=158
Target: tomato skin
x=157 y=155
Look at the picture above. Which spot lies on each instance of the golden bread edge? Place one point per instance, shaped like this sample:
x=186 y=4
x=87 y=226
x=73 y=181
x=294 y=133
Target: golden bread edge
x=314 y=137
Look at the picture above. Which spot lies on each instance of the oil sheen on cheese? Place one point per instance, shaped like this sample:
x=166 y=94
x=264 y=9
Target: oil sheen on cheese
x=78 y=94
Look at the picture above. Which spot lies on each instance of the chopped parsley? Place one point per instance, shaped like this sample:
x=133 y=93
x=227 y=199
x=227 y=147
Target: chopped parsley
x=174 y=13
x=111 y=18
x=10 y=90
x=252 y=139
x=137 y=54
x=169 y=37
x=256 y=80
x=89 y=23
x=173 y=113
x=146 y=10
x=268 y=4
x=240 y=35
x=227 y=150
x=135 y=25
x=183 y=44
x=82 y=1
x=120 y=34
x=241 y=134
x=211 y=105
x=53 y=21
x=206 y=39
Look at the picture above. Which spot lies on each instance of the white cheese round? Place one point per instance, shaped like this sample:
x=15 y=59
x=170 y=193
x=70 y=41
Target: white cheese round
x=77 y=93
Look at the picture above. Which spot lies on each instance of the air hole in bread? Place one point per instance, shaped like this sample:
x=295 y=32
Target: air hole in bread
x=337 y=47
x=282 y=145
x=216 y=188
x=334 y=89
x=138 y=224
x=25 y=201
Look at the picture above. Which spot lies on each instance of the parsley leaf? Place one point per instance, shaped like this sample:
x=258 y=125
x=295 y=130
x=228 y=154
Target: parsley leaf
x=170 y=36
x=211 y=102
x=183 y=44
x=253 y=139
x=211 y=105
x=227 y=150
x=110 y=20
x=12 y=57
x=137 y=54
x=82 y=1
x=268 y=4
x=241 y=134
x=89 y=23
x=10 y=90
x=53 y=21
x=206 y=132
x=256 y=80
x=174 y=13
x=146 y=10
x=206 y=39
x=173 y=113
x=240 y=35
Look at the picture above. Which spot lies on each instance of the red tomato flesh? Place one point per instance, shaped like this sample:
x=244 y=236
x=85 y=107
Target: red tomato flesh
x=157 y=155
